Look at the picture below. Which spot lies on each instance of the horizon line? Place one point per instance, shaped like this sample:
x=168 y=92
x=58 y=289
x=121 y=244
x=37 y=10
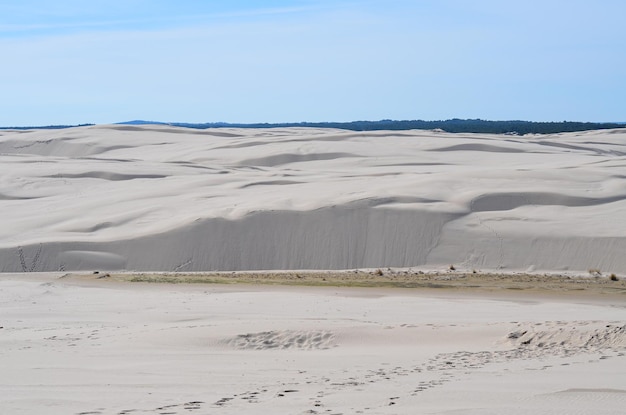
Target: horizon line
x=223 y=123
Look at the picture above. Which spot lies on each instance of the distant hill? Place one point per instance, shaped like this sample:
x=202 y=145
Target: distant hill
x=454 y=125
x=45 y=127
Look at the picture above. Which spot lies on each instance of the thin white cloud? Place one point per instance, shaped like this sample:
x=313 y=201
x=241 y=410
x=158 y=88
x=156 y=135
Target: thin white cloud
x=153 y=22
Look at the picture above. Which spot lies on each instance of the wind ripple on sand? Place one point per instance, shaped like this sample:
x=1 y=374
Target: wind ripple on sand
x=281 y=340
x=565 y=339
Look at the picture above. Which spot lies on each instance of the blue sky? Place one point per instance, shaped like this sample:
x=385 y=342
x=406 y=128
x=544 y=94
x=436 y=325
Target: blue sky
x=71 y=61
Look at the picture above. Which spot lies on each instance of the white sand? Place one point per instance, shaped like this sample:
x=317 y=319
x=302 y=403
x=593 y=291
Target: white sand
x=70 y=346
x=170 y=199
x=163 y=198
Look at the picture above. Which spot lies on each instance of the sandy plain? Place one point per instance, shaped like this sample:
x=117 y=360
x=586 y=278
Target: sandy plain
x=103 y=344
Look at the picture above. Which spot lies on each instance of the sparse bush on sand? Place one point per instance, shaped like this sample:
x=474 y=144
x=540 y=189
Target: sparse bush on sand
x=613 y=277
x=379 y=272
x=452 y=268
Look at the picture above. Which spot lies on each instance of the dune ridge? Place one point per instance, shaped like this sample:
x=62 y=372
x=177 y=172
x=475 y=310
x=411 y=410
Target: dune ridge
x=160 y=198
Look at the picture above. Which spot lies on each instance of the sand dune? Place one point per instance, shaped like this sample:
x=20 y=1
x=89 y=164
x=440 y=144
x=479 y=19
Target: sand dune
x=163 y=198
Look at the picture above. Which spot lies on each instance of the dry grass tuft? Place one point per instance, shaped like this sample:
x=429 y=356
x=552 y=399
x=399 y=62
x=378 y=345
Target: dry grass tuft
x=595 y=272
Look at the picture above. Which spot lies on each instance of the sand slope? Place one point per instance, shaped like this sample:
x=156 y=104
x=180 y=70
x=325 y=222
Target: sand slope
x=172 y=199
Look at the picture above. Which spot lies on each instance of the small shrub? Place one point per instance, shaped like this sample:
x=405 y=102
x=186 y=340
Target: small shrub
x=452 y=268
x=613 y=277
x=379 y=272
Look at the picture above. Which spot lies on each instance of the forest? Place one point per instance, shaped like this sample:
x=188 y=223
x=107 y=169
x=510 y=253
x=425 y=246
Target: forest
x=454 y=125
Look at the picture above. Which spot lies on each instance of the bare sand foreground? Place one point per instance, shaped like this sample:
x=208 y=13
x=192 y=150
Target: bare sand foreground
x=455 y=343
x=159 y=198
